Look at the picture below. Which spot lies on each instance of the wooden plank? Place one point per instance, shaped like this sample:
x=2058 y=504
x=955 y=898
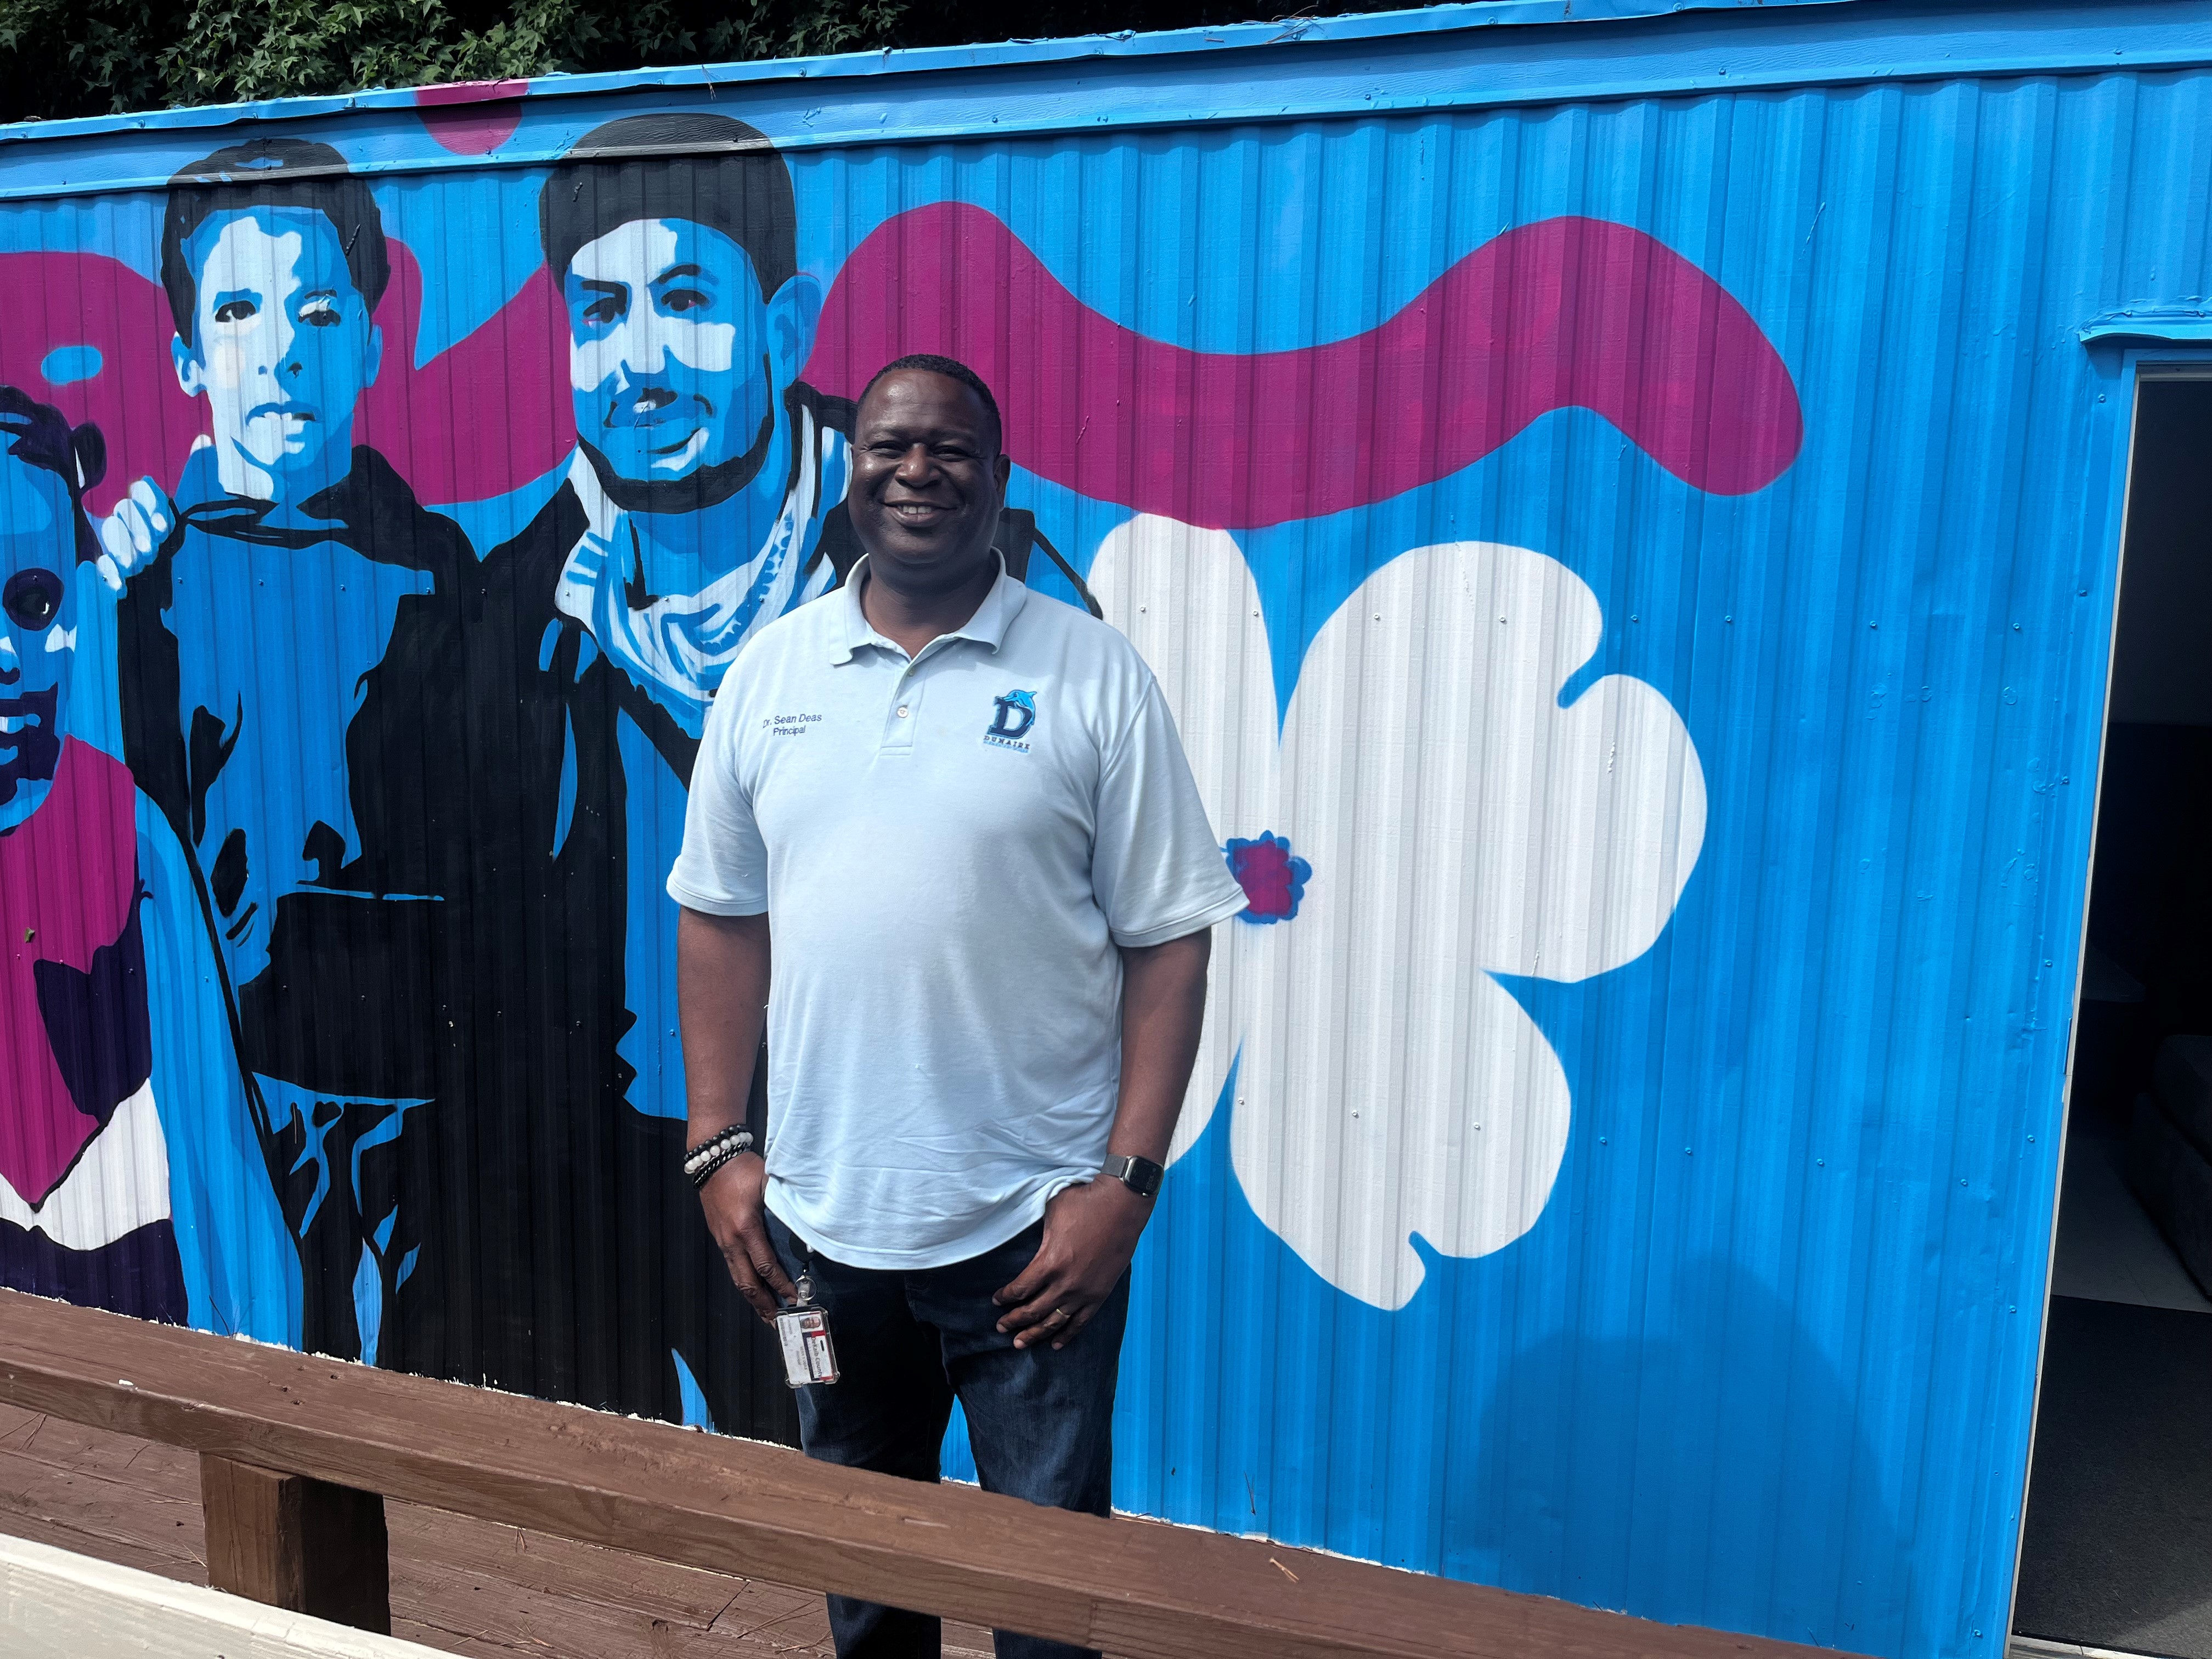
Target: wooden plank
x=57 y=1606
x=475 y=1588
x=1139 y=1590
x=298 y=1543
x=595 y=1600
x=55 y=1490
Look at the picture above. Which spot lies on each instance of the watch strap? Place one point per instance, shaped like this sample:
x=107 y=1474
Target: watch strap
x=1139 y=1175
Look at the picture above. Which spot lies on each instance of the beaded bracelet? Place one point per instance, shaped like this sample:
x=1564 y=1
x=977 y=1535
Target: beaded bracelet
x=711 y=1154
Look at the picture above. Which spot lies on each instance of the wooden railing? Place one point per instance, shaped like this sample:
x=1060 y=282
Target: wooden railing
x=298 y=1454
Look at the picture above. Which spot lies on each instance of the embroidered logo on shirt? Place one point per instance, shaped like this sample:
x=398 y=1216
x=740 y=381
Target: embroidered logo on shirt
x=1016 y=714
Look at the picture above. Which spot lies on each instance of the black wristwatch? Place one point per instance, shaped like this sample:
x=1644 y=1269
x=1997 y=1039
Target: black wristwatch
x=1139 y=1175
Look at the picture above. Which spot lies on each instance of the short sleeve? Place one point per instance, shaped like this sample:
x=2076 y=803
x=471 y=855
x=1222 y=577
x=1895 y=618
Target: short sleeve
x=722 y=869
x=1157 y=870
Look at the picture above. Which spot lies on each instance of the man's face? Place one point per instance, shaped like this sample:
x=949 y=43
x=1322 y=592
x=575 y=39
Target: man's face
x=283 y=346
x=928 y=480
x=38 y=635
x=670 y=349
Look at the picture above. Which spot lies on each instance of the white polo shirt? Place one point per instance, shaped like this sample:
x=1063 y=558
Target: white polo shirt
x=949 y=848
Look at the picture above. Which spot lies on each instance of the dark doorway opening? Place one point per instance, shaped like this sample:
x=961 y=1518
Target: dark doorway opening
x=2117 y=1548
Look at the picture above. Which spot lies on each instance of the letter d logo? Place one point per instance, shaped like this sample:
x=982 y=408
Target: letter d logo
x=1017 y=713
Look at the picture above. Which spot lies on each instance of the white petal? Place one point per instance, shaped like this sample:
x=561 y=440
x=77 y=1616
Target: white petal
x=1533 y=839
x=1185 y=598
x=1459 y=821
x=1353 y=1134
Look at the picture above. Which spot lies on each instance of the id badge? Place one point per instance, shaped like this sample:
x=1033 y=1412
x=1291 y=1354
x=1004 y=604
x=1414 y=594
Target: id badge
x=808 y=1355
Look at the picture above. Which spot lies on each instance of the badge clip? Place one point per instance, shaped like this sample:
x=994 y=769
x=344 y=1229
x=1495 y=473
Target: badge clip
x=809 y=1356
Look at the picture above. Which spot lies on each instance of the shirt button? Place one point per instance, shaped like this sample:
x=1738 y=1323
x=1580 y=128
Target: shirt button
x=902 y=711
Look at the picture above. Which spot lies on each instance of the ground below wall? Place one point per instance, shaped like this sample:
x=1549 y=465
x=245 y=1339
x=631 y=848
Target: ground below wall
x=467 y=1587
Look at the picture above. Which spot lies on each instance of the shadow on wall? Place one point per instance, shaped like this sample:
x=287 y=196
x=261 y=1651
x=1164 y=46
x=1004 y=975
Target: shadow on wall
x=1712 y=1475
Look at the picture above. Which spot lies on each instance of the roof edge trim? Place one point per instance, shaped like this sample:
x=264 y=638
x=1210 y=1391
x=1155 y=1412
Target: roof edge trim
x=1468 y=15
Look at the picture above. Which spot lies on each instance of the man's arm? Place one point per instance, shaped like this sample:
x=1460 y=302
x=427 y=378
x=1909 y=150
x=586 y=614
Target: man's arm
x=1090 y=1231
x=721 y=995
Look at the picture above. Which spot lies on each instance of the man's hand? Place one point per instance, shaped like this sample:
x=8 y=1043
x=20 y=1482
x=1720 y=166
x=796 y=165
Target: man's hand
x=1090 y=1232
x=732 y=1199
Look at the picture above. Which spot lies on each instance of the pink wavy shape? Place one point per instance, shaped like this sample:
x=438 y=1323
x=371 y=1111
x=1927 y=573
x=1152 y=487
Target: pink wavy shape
x=62 y=300
x=485 y=415
x=1566 y=311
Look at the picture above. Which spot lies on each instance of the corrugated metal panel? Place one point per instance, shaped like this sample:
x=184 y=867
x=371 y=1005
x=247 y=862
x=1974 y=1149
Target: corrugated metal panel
x=1634 y=578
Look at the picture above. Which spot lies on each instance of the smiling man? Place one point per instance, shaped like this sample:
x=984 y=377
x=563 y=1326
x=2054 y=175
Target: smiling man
x=131 y=1175
x=260 y=606
x=961 y=811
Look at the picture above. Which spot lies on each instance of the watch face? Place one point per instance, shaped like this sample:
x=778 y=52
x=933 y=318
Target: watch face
x=1140 y=1175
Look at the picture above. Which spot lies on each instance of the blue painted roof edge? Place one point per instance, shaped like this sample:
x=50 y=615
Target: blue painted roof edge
x=1126 y=44
x=1446 y=57
x=2172 y=327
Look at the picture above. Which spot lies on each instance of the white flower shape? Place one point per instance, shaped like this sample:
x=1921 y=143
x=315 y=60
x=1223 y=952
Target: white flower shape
x=1432 y=815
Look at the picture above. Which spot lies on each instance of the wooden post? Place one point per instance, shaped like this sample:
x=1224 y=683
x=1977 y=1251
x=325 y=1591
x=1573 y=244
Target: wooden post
x=305 y=1545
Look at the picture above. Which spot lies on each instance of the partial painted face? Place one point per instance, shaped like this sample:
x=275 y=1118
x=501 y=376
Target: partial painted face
x=283 y=346
x=38 y=631
x=668 y=348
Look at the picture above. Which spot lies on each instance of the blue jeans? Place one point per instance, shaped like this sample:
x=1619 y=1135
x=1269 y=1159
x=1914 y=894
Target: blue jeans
x=1041 y=1422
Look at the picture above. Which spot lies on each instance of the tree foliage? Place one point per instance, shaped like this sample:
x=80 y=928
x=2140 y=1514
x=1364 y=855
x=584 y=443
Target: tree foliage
x=60 y=57
x=64 y=57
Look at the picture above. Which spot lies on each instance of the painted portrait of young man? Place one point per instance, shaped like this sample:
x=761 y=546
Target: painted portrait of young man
x=574 y=682
x=277 y=578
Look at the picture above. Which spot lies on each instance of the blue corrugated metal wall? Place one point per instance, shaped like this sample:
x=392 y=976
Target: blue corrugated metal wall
x=1760 y=1354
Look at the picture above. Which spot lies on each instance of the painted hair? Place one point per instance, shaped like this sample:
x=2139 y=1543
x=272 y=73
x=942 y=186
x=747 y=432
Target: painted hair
x=271 y=173
x=732 y=181
x=40 y=435
x=951 y=368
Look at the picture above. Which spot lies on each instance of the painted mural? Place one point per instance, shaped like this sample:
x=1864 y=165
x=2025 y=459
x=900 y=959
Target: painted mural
x=375 y=542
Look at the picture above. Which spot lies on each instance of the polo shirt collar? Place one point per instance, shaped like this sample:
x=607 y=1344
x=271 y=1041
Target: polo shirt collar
x=987 y=626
